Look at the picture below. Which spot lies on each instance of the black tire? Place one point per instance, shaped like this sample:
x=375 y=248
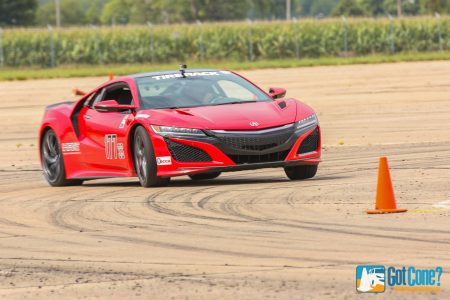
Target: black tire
x=53 y=161
x=204 y=176
x=301 y=172
x=145 y=161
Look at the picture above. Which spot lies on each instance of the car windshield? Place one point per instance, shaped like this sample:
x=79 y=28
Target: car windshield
x=197 y=88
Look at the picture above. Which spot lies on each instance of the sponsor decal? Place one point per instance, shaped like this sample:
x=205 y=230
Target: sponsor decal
x=71 y=147
x=254 y=124
x=144 y=116
x=124 y=121
x=187 y=74
x=375 y=279
x=163 y=160
x=120 y=151
x=113 y=150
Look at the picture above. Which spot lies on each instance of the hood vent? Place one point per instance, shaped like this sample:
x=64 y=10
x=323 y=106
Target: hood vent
x=183 y=112
x=282 y=104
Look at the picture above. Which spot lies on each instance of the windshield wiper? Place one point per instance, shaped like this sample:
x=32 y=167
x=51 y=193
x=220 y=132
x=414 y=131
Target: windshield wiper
x=235 y=102
x=232 y=102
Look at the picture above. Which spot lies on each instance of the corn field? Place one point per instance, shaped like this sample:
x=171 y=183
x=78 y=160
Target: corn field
x=241 y=41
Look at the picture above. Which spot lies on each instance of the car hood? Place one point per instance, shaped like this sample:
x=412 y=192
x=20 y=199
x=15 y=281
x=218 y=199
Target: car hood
x=230 y=117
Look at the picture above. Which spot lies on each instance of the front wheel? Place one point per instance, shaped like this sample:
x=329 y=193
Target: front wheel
x=145 y=161
x=301 y=172
x=204 y=176
x=53 y=161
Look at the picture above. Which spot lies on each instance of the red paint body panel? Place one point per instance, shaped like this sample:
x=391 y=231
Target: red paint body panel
x=94 y=160
x=229 y=117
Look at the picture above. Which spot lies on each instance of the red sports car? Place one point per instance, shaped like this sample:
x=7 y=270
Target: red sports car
x=197 y=122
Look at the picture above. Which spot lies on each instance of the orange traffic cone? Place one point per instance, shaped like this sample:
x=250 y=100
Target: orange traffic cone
x=385 y=192
x=111 y=75
x=78 y=92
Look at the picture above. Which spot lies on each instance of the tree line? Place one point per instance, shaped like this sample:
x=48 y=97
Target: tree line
x=116 y=12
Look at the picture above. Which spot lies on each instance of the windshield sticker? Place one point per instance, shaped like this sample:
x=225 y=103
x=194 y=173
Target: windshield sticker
x=187 y=74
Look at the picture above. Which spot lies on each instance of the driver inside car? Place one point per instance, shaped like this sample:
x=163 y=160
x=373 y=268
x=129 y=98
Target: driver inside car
x=200 y=92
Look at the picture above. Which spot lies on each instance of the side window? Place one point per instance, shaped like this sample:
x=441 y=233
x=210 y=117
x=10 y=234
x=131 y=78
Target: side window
x=97 y=97
x=120 y=93
x=90 y=99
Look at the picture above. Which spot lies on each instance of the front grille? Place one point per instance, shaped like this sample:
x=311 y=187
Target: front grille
x=264 y=158
x=185 y=153
x=255 y=143
x=310 y=143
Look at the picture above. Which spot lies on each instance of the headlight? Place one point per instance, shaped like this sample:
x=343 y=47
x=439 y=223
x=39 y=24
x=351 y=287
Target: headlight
x=307 y=122
x=170 y=130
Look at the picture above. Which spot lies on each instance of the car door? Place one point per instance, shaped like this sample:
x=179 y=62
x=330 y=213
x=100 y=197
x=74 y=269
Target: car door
x=103 y=133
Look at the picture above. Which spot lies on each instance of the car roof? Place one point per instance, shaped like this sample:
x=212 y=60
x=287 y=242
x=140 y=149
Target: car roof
x=149 y=74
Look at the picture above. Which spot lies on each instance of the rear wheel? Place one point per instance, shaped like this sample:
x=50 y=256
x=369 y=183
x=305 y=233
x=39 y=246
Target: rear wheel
x=301 y=172
x=205 y=176
x=145 y=161
x=53 y=161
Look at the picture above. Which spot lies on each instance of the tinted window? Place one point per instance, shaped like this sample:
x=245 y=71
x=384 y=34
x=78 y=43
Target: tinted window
x=120 y=93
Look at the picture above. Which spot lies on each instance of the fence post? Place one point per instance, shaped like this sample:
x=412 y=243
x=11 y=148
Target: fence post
x=52 y=46
x=2 y=58
x=296 y=37
x=391 y=33
x=344 y=20
x=200 y=41
x=152 y=42
x=97 y=43
x=250 y=41
x=438 y=17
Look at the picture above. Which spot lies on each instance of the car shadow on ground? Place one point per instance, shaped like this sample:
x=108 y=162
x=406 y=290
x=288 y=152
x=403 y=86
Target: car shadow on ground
x=186 y=182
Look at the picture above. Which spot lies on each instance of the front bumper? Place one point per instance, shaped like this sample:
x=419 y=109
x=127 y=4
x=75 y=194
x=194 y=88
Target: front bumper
x=226 y=151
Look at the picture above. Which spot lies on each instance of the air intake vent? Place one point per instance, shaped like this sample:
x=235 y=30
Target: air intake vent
x=185 y=153
x=253 y=159
x=282 y=104
x=310 y=143
x=256 y=142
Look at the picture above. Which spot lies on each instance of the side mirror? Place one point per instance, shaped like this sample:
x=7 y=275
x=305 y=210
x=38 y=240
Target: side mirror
x=277 y=93
x=112 y=105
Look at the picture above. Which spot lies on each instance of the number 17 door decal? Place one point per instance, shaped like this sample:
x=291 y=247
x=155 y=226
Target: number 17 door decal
x=113 y=150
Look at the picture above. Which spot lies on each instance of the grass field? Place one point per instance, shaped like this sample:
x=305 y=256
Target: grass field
x=93 y=70
x=217 y=41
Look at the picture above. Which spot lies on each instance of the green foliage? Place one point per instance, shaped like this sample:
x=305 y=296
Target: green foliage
x=17 y=12
x=323 y=7
x=121 y=12
x=373 y=7
x=73 y=12
x=432 y=6
x=116 y=12
x=163 y=11
x=348 y=8
x=222 y=41
x=408 y=7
